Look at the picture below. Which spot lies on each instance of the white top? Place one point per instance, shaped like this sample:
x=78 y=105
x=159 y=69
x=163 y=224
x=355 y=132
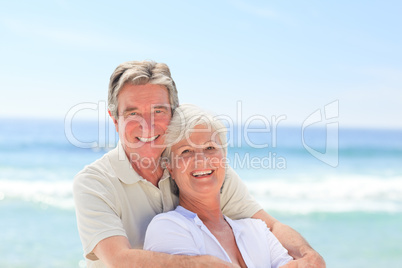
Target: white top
x=182 y=232
x=111 y=199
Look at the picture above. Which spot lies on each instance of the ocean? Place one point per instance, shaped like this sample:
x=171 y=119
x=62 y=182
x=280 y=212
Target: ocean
x=343 y=193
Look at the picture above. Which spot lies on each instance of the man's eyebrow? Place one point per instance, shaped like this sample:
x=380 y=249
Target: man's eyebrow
x=166 y=107
x=129 y=109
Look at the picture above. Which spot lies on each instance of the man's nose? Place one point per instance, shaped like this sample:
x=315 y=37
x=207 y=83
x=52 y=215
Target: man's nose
x=146 y=124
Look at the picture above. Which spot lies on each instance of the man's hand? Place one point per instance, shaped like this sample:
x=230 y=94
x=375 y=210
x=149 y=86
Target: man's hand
x=296 y=245
x=310 y=260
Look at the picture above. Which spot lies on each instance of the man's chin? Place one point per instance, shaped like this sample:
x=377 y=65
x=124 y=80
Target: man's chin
x=145 y=157
x=137 y=145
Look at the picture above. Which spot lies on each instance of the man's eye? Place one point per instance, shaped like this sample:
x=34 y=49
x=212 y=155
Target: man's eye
x=210 y=148
x=131 y=115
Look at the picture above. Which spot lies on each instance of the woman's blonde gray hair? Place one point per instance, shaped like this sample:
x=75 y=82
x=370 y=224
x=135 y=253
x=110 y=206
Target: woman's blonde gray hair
x=185 y=118
x=140 y=73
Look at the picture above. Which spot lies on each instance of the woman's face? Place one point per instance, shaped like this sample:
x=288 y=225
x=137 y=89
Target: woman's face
x=198 y=163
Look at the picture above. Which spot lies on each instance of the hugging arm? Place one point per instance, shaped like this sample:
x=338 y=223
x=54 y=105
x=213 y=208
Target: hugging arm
x=297 y=246
x=116 y=252
x=238 y=203
x=104 y=237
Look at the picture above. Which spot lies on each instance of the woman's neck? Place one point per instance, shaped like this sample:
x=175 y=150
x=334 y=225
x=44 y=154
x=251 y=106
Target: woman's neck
x=209 y=211
x=207 y=208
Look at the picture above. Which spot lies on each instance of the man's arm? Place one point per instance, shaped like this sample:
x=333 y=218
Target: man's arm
x=297 y=246
x=115 y=251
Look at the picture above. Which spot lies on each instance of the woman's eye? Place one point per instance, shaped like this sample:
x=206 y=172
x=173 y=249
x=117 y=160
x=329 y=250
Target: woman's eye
x=186 y=153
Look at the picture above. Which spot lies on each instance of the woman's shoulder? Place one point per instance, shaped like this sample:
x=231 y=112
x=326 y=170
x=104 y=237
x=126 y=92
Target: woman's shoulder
x=171 y=231
x=170 y=219
x=168 y=216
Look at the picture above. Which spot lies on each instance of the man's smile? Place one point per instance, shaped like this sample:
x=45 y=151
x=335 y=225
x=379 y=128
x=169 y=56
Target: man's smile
x=148 y=139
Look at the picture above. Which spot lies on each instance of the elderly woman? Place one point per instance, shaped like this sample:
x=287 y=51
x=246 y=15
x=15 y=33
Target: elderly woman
x=196 y=160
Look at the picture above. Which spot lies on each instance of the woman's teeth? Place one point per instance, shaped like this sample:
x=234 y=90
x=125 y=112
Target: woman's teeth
x=202 y=173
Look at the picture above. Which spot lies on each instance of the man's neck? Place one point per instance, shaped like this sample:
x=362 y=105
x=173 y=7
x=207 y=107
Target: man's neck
x=152 y=173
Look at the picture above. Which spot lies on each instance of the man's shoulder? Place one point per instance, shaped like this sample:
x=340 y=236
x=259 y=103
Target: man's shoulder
x=99 y=165
x=232 y=180
x=231 y=174
x=100 y=169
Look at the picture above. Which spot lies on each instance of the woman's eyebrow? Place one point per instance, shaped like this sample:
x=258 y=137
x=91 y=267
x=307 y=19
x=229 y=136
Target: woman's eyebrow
x=185 y=145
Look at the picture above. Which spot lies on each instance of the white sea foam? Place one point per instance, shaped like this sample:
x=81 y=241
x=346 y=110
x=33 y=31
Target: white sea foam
x=331 y=194
x=46 y=193
x=300 y=195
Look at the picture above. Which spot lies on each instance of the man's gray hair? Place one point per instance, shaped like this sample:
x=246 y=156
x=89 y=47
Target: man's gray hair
x=185 y=118
x=140 y=73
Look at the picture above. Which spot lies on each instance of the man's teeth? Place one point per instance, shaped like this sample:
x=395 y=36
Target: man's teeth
x=147 y=139
x=202 y=173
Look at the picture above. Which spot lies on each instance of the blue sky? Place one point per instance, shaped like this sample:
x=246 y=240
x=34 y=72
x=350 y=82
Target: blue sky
x=275 y=57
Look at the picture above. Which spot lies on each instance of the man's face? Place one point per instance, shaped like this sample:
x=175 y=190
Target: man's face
x=144 y=115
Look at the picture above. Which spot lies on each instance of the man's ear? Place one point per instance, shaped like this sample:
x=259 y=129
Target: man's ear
x=116 y=124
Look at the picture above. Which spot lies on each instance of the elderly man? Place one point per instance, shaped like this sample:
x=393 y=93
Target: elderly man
x=118 y=195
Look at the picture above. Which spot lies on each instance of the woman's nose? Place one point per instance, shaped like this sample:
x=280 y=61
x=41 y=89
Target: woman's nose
x=200 y=160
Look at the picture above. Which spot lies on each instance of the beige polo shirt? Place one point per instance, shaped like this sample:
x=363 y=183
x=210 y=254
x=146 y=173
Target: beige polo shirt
x=111 y=199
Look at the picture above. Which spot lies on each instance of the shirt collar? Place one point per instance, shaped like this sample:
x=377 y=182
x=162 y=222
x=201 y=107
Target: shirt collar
x=186 y=213
x=237 y=228
x=165 y=175
x=122 y=166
